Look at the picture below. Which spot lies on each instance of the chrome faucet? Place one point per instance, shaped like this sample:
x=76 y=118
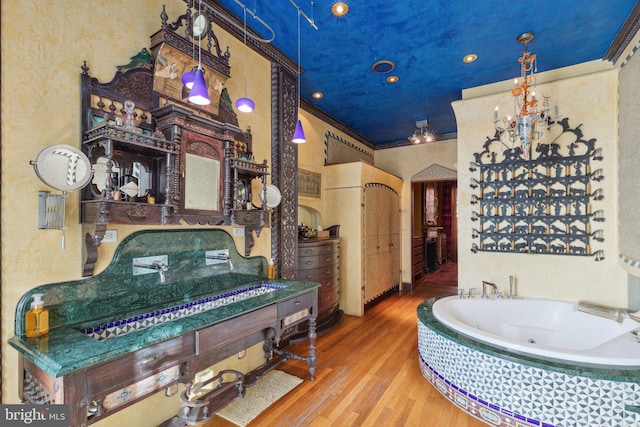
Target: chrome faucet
x=484 y=288
x=159 y=266
x=222 y=257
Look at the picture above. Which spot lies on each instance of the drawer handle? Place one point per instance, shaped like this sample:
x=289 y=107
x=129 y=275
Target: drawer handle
x=309 y=262
x=309 y=276
x=148 y=359
x=296 y=302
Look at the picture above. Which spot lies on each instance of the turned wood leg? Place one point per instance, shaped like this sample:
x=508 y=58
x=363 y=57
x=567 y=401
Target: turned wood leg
x=312 y=360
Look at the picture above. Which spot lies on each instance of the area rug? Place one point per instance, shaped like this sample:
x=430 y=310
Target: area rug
x=259 y=397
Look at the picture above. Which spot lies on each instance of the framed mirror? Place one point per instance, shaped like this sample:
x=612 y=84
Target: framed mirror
x=201 y=179
x=202 y=175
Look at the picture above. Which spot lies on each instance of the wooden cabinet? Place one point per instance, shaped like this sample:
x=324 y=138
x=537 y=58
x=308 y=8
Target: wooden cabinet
x=369 y=218
x=417 y=255
x=381 y=240
x=159 y=159
x=319 y=261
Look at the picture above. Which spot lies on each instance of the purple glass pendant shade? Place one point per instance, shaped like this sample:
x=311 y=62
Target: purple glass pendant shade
x=245 y=105
x=188 y=77
x=298 y=135
x=199 y=94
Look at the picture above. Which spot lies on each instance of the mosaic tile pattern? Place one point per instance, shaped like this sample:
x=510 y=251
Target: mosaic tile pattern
x=137 y=323
x=505 y=393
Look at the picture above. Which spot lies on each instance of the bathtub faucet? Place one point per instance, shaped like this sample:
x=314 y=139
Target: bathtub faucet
x=484 y=288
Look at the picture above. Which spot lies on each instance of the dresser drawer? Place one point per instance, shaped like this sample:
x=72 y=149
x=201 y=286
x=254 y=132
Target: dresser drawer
x=221 y=334
x=125 y=370
x=320 y=275
x=317 y=249
x=316 y=261
x=328 y=298
x=295 y=304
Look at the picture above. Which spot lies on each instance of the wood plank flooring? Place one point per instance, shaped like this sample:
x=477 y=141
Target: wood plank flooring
x=368 y=372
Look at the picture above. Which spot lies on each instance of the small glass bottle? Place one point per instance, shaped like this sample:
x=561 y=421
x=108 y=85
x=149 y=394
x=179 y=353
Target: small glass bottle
x=37 y=319
x=128 y=178
x=272 y=269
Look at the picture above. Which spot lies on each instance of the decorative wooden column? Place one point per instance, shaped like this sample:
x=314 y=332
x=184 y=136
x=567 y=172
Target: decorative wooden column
x=284 y=170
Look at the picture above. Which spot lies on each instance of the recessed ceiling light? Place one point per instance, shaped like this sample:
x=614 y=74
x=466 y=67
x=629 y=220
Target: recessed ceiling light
x=392 y=79
x=383 y=67
x=469 y=58
x=340 y=8
x=317 y=95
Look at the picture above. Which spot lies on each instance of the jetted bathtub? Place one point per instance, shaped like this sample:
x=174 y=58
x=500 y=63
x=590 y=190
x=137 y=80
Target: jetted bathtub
x=547 y=329
x=530 y=362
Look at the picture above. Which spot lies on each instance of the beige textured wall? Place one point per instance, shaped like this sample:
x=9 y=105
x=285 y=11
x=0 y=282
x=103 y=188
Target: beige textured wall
x=311 y=158
x=629 y=172
x=405 y=162
x=590 y=100
x=43 y=45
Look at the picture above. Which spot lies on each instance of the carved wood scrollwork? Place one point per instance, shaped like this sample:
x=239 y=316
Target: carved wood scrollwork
x=284 y=160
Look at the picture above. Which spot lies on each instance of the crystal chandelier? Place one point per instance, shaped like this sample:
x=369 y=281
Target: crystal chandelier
x=529 y=119
x=423 y=133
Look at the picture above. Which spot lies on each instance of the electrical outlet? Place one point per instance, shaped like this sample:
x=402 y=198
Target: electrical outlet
x=242 y=354
x=110 y=236
x=238 y=231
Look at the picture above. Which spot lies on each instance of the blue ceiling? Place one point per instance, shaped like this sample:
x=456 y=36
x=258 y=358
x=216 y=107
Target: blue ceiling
x=426 y=40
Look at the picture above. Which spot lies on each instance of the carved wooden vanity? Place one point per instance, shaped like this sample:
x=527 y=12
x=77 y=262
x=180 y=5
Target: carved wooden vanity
x=116 y=338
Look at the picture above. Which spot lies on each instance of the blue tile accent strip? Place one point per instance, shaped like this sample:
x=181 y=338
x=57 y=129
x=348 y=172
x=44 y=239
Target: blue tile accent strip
x=484 y=411
x=121 y=327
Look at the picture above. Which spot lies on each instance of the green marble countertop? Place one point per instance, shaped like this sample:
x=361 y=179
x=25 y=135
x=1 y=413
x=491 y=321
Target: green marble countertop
x=66 y=349
x=426 y=317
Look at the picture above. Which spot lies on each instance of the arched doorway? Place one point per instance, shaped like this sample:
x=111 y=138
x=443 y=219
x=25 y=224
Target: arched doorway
x=433 y=219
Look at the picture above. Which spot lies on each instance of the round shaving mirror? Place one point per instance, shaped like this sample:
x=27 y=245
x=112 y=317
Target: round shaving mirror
x=63 y=167
x=272 y=196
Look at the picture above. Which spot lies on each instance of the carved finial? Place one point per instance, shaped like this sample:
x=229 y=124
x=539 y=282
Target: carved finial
x=85 y=69
x=164 y=17
x=227 y=54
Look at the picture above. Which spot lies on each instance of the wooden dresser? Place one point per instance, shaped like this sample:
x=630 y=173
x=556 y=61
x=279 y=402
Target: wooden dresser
x=319 y=261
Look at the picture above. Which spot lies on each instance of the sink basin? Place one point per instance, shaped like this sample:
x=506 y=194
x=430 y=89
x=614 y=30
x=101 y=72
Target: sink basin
x=104 y=331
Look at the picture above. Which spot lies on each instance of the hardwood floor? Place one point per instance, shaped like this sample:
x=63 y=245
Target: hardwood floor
x=368 y=372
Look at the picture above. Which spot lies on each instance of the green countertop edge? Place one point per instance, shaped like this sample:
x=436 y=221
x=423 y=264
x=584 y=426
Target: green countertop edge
x=426 y=317
x=65 y=349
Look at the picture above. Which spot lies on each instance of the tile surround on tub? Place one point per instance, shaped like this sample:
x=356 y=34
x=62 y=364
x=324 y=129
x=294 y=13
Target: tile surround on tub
x=506 y=390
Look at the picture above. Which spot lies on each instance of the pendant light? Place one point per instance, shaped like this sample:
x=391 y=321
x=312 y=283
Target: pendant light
x=298 y=134
x=188 y=77
x=199 y=94
x=245 y=105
